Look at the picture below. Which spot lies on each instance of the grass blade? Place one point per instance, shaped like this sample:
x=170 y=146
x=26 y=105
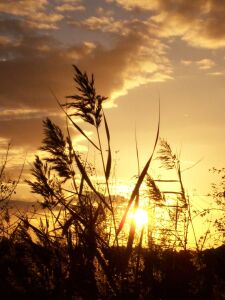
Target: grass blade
x=140 y=179
x=74 y=124
x=87 y=179
x=109 y=159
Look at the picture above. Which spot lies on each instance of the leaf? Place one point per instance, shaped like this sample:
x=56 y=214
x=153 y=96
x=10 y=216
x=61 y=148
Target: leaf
x=80 y=130
x=109 y=159
x=38 y=232
x=137 y=152
x=140 y=180
x=134 y=194
x=132 y=230
x=86 y=178
x=74 y=124
x=153 y=189
x=81 y=185
x=67 y=225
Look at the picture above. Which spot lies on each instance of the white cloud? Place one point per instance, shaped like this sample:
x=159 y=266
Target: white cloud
x=24 y=113
x=205 y=64
x=216 y=74
x=186 y=62
x=104 y=12
x=34 y=12
x=104 y=24
x=22 y=7
x=70 y=7
x=200 y=23
x=5 y=40
x=134 y=4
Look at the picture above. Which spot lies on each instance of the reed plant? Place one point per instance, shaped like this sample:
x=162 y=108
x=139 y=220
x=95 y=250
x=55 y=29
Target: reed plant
x=7 y=190
x=75 y=252
x=64 y=180
x=172 y=199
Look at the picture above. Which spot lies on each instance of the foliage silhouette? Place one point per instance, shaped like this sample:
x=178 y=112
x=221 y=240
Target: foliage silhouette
x=75 y=252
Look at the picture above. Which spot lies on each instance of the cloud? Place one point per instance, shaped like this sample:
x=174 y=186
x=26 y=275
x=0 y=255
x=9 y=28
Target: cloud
x=136 y=4
x=26 y=130
x=205 y=64
x=200 y=23
x=17 y=131
x=25 y=113
x=131 y=52
x=34 y=12
x=104 y=12
x=38 y=62
x=31 y=66
x=216 y=74
x=122 y=27
x=134 y=61
x=70 y=7
x=137 y=58
x=186 y=62
x=71 y=1
x=104 y=24
x=124 y=48
x=22 y=7
x=5 y=40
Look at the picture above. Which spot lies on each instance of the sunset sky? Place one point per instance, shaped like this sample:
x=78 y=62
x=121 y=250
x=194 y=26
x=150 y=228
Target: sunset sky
x=139 y=51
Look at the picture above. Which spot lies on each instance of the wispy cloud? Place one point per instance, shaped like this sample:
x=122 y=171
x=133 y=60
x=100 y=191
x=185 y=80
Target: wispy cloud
x=186 y=62
x=125 y=50
x=216 y=74
x=70 y=6
x=104 y=24
x=200 y=23
x=205 y=64
x=136 y=4
x=22 y=7
x=24 y=113
x=5 y=40
x=34 y=12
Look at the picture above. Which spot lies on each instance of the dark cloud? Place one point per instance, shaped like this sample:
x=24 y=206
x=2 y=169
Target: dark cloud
x=36 y=14
x=125 y=45
x=39 y=62
x=201 y=23
x=26 y=82
x=33 y=61
x=26 y=133
x=29 y=66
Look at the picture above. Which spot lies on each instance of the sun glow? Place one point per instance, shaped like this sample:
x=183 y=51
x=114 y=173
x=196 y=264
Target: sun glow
x=140 y=217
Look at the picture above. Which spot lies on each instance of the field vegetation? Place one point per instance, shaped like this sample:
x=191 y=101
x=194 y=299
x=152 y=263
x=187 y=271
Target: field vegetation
x=85 y=246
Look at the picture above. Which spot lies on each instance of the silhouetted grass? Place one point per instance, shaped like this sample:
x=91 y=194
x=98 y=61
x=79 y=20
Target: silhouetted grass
x=75 y=252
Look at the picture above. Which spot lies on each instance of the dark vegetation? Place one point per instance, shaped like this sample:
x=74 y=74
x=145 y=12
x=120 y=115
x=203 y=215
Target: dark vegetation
x=75 y=252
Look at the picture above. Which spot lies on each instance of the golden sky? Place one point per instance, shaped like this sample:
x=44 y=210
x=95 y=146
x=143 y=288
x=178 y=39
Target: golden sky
x=139 y=50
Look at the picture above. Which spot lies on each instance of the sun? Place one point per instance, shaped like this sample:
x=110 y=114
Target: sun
x=140 y=217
